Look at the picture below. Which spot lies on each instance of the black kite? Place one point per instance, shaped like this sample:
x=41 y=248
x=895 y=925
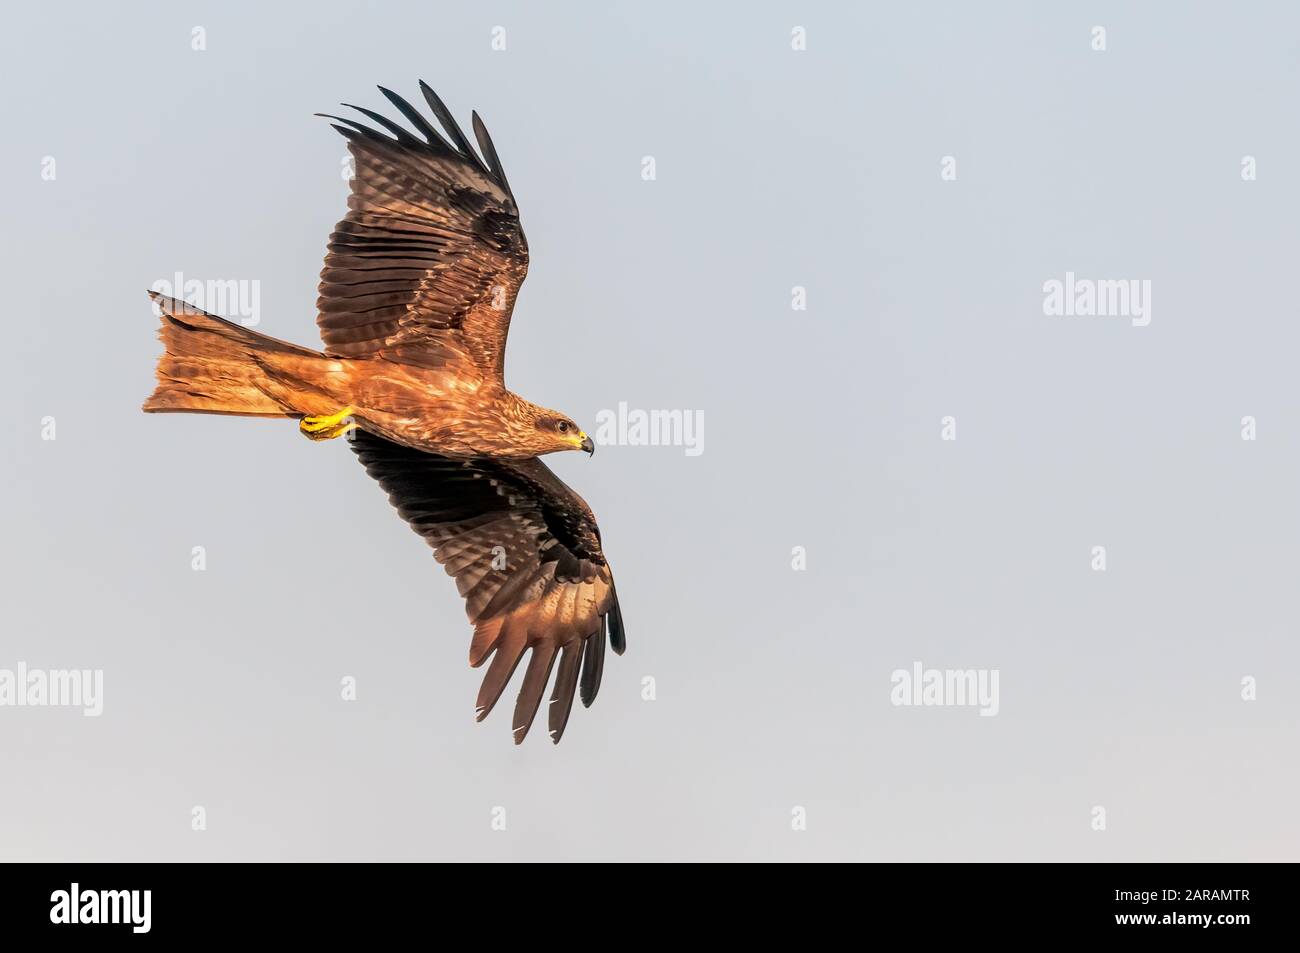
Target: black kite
x=415 y=303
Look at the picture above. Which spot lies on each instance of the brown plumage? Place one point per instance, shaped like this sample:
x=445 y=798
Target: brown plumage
x=415 y=303
x=525 y=553
x=416 y=297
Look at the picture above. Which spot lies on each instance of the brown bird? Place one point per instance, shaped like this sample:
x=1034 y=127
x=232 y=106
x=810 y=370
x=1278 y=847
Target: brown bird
x=416 y=296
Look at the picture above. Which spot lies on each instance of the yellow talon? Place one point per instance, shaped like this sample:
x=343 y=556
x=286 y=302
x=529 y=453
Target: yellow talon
x=328 y=427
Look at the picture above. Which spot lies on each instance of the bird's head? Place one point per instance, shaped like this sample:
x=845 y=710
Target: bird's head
x=541 y=430
x=561 y=433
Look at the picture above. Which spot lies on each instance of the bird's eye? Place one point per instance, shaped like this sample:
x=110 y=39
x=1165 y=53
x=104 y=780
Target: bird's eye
x=562 y=426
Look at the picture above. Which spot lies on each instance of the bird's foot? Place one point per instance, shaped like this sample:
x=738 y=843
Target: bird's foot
x=328 y=427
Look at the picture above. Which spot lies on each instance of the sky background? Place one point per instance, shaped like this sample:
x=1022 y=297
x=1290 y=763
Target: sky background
x=775 y=168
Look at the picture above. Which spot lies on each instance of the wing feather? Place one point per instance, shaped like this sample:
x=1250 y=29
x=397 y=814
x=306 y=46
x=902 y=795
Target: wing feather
x=536 y=677
x=566 y=684
x=593 y=664
x=510 y=649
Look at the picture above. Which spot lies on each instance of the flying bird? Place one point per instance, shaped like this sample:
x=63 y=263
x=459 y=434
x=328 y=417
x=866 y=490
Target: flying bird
x=416 y=296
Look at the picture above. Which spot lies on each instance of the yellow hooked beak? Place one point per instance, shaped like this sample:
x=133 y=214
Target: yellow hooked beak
x=583 y=442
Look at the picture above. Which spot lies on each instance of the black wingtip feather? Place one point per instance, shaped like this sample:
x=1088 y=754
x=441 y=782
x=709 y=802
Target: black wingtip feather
x=402 y=135
x=444 y=116
x=417 y=120
x=593 y=664
x=617 y=636
x=566 y=686
x=459 y=145
x=490 y=152
x=354 y=130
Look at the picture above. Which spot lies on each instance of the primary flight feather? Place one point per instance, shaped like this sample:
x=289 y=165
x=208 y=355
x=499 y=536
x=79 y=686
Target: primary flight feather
x=416 y=297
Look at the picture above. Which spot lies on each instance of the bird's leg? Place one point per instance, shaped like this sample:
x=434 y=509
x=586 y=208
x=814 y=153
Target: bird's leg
x=328 y=427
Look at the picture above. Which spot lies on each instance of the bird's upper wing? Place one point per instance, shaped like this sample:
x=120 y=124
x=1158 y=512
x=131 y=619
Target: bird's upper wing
x=525 y=552
x=426 y=265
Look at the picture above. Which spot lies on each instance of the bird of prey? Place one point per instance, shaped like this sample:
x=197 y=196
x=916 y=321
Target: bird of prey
x=416 y=296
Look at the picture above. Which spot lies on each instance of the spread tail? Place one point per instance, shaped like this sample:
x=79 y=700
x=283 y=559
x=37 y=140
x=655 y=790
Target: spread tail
x=213 y=366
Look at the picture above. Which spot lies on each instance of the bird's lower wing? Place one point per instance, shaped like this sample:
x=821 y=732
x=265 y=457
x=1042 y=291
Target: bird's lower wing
x=525 y=553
